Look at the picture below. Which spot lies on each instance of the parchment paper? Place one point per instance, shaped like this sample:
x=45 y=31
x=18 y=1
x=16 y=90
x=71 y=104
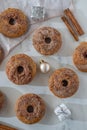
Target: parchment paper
x=77 y=103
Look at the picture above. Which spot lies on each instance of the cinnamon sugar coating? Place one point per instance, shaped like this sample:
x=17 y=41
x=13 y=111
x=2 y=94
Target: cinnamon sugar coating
x=13 y=23
x=30 y=108
x=63 y=82
x=2 y=54
x=47 y=40
x=20 y=69
x=80 y=57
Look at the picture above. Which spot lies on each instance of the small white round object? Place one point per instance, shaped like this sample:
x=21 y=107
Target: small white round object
x=44 y=66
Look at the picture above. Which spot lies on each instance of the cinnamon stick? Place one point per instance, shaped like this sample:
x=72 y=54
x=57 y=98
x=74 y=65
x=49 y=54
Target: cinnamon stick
x=66 y=21
x=75 y=23
x=5 y=127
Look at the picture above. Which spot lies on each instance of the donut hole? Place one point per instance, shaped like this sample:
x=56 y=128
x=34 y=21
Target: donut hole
x=30 y=109
x=85 y=54
x=12 y=21
x=20 y=69
x=64 y=83
x=47 y=40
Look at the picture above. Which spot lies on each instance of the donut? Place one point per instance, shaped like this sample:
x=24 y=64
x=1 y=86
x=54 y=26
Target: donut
x=20 y=69
x=2 y=100
x=47 y=40
x=63 y=82
x=13 y=23
x=1 y=54
x=30 y=108
x=80 y=57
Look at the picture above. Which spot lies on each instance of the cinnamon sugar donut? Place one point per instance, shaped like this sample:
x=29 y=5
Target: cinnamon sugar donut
x=21 y=69
x=47 y=40
x=30 y=108
x=80 y=57
x=13 y=23
x=1 y=54
x=2 y=99
x=63 y=82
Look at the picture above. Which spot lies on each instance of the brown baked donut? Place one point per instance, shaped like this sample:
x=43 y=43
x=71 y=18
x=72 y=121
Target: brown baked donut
x=2 y=100
x=2 y=54
x=30 y=108
x=80 y=57
x=13 y=23
x=63 y=82
x=47 y=40
x=20 y=69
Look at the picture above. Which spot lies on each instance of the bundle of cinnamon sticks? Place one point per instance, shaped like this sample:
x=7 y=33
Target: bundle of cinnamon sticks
x=5 y=127
x=72 y=24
